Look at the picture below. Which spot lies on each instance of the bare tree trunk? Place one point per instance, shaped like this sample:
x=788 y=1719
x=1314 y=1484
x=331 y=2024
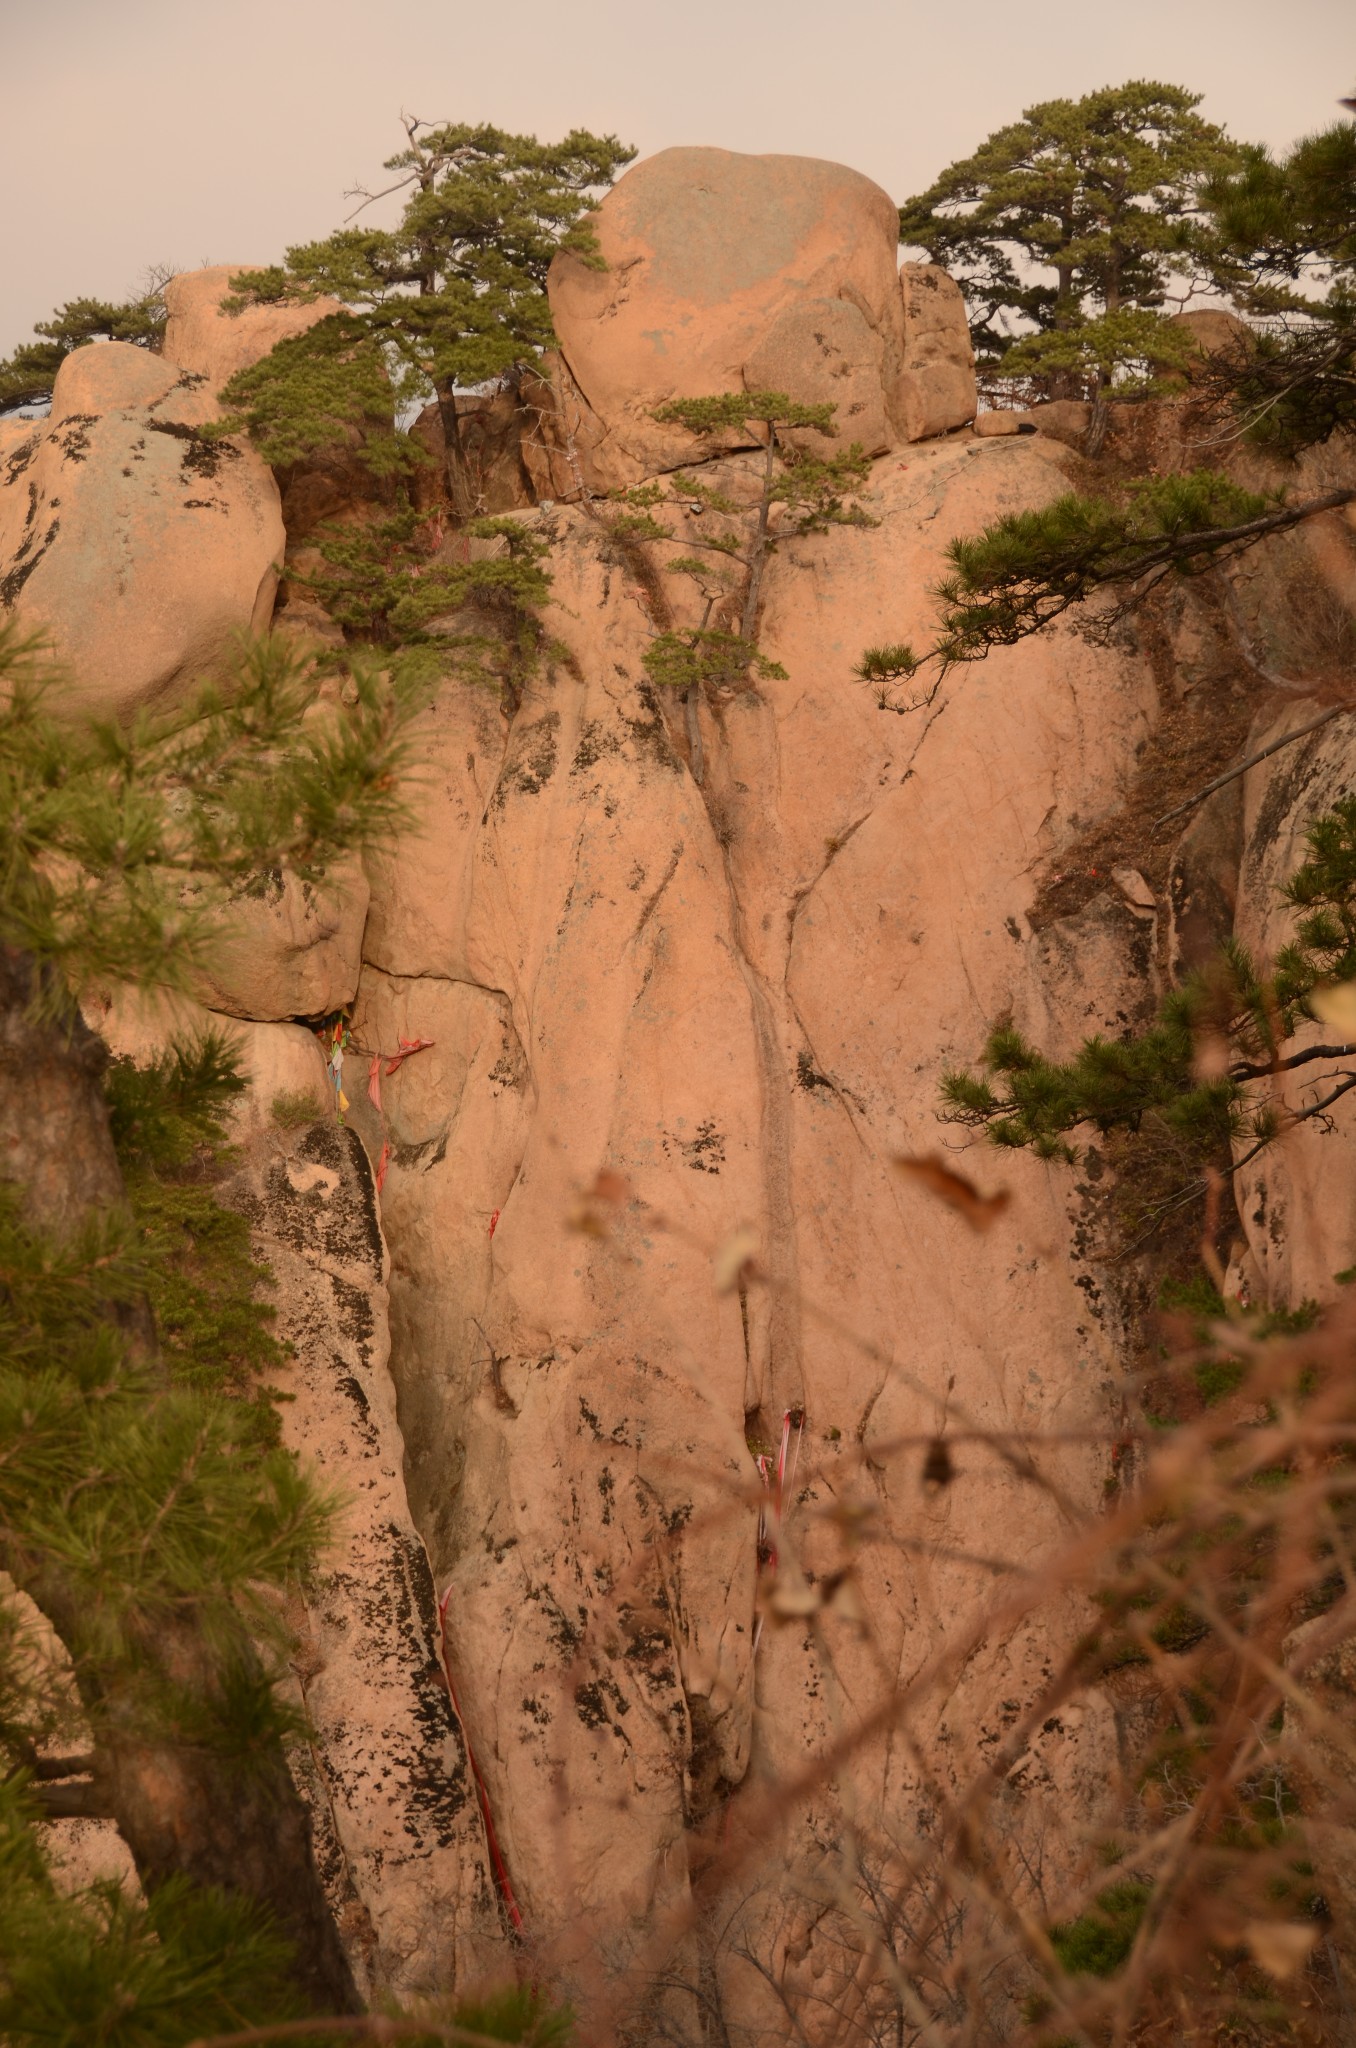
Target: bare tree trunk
x=455 y=468
x=748 y=623
x=183 y=1808
x=692 y=714
x=1101 y=417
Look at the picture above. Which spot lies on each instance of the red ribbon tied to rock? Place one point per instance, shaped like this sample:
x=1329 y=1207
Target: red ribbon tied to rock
x=408 y=1046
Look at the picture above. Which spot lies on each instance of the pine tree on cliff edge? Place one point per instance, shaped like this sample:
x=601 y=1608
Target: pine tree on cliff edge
x=452 y=296
x=1065 y=229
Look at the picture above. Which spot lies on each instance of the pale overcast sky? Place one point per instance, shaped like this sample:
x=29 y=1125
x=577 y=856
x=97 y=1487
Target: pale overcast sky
x=141 y=131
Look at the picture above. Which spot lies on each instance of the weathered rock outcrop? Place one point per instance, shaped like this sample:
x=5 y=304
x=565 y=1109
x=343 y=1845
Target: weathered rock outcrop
x=142 y=548
x=289 y=948
x=397 y=1826
x=728 y=272
x=200 y=338
x=936 y=389
x=1297 y=1201
x=741 y=1006
x=640 y=1182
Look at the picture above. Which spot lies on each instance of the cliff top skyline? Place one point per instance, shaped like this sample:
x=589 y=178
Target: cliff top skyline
x=156 y=134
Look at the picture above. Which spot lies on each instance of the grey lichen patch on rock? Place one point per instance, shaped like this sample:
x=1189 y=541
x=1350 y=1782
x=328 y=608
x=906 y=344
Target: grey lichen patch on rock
x=386 y=1772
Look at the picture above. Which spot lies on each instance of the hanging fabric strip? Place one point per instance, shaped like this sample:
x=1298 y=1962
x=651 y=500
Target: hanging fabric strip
x=497 y=1863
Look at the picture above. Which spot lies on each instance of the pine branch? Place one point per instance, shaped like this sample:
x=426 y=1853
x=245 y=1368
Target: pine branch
x=73 y=1801
x=1263 y=754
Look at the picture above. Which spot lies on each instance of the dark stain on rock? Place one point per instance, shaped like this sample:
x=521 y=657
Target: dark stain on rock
x=591 y=1419
x=592 y=1703
x=596 y=741
x=74 y=441
x=808 y=1075
x=650 y=734
x=26 y=561
x=17 y=461
x=200 y=457
x=533 y=762
x=706 y=1152
x=436 y=1766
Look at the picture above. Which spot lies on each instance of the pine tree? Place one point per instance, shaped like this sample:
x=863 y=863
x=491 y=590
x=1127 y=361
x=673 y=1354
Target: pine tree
x=1202 y=1070
x=141 y=1510
x=798 y=493
x=1288 y=236
x=1105 y=192
x=1029 y=568
x=451 y=297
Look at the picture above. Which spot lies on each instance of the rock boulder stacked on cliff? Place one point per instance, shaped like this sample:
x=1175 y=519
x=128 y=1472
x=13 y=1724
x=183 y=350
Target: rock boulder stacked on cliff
x=733 y=1003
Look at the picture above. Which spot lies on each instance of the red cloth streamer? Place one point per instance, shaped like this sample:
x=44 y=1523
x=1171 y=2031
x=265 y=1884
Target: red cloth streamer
x=382 y=1165
x=408 y=1046
x=497 y=1863
x=494 y=1222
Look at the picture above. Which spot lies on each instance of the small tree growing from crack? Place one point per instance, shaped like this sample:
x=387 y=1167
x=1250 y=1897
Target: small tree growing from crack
x=798 y=493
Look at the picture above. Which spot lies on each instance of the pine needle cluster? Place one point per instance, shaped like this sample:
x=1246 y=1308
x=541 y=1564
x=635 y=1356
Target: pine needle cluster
x=27 y=376
x=139 y=1494
x=1029 y=568
x=120 y=845
x=1197 y=1068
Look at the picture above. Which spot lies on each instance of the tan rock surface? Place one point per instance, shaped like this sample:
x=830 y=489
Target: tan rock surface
x=936 y=389
x=201 y=338
x=143 y=550
x=1212 y=330
x=276 y=1059
x=1064 y=419
x=739 y=1000
x=706 y=251
x=822 y=352
x=289 y=948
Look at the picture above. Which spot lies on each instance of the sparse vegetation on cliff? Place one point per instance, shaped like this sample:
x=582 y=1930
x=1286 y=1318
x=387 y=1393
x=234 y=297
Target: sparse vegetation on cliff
x=1203 y=1067
x=726 y=562
x=452 y=296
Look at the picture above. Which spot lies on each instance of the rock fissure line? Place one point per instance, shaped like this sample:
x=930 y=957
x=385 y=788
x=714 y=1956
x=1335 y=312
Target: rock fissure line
x=503 y=1883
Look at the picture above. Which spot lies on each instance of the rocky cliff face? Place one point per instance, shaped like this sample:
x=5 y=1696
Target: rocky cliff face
x=644 y=1223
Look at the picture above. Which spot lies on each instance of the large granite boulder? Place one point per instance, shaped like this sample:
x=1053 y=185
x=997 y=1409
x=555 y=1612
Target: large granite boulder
x=141 y=548
x=212 y=344
x=726 y=271
x=937 y=388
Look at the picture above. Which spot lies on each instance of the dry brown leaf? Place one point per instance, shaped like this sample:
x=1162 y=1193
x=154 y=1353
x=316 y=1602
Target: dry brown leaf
x=733 y=1260
x=791 y=1599
x=587 y=1213
x=1280 y=1946
x=1337 y=1006
x=981 y=1212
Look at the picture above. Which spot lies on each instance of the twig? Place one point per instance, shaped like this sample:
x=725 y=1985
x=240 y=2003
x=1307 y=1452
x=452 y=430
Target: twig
x=370 y=2026
x=1232 y=774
